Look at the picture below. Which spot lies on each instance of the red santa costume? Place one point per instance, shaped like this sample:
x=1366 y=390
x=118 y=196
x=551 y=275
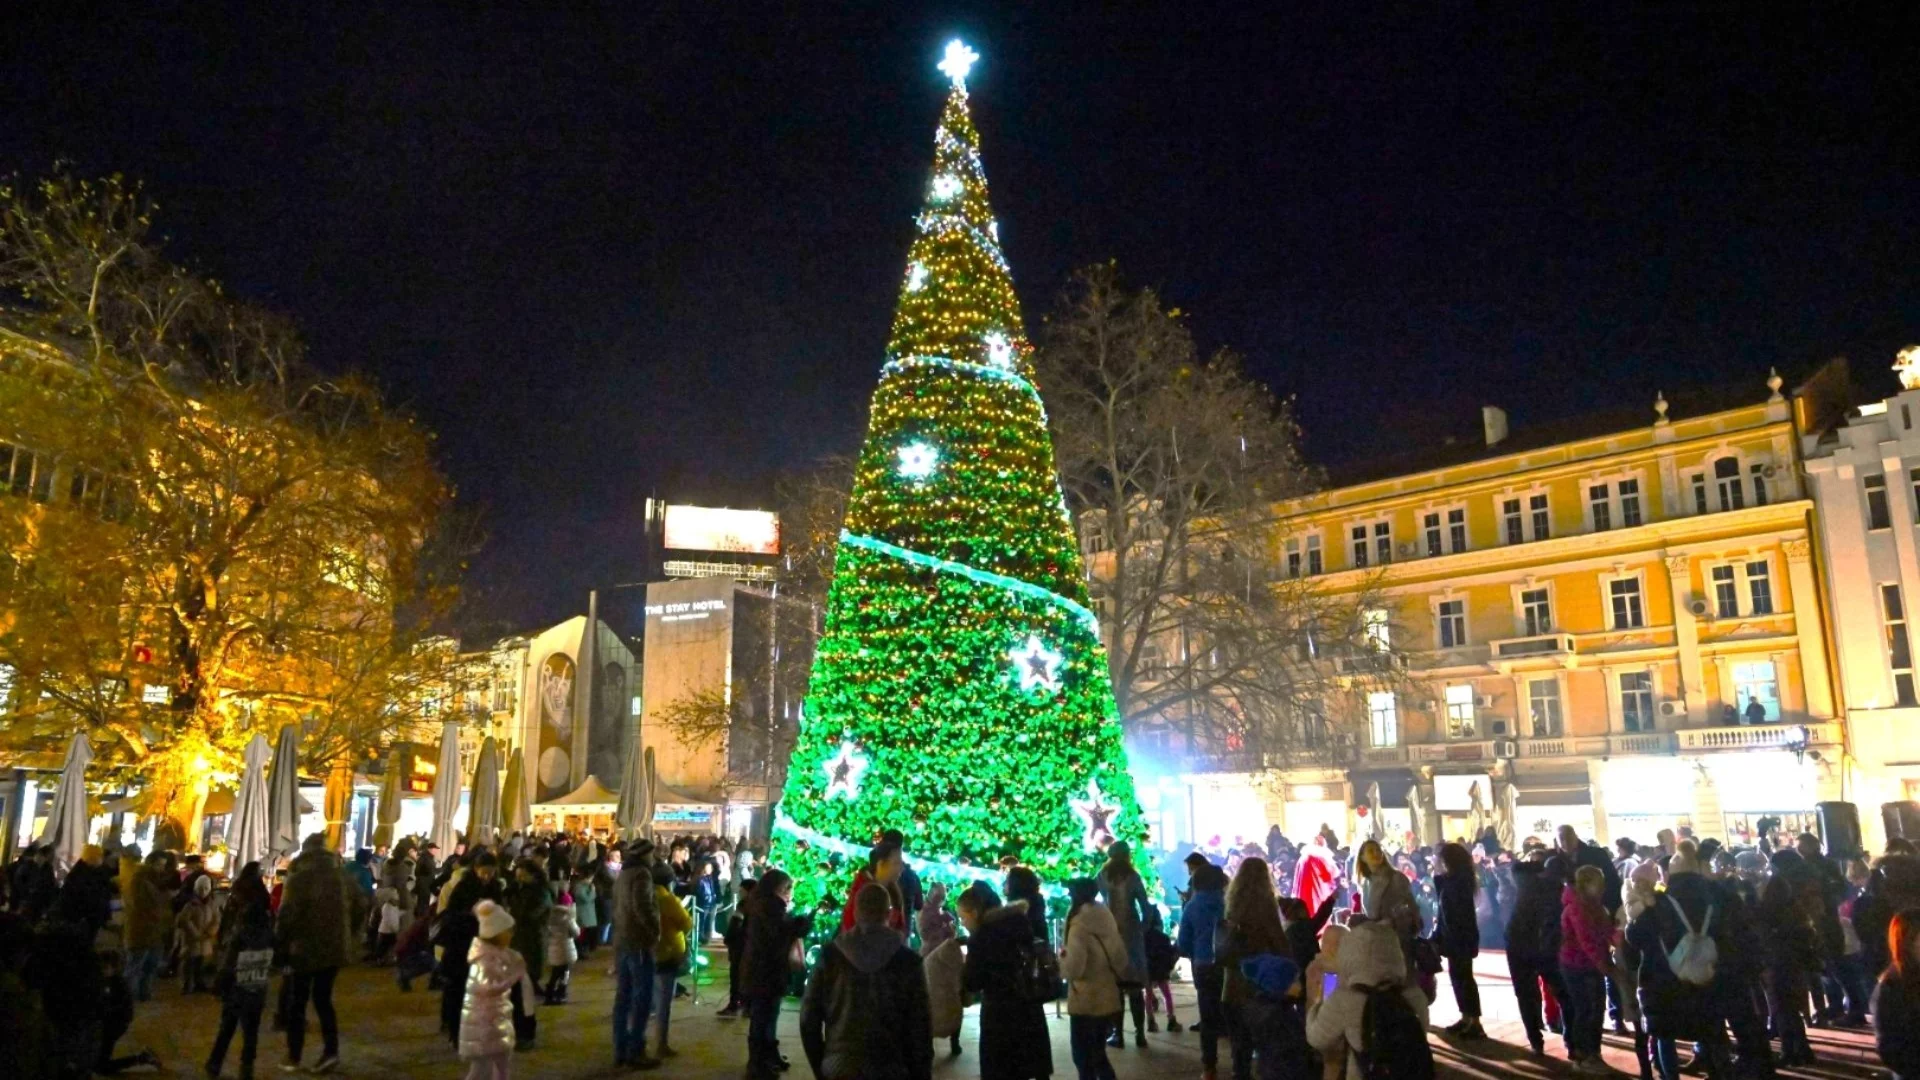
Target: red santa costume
x=1313 y=878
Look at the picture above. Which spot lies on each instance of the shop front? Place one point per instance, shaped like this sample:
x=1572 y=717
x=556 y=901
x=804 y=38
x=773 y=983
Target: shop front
x=1464 y=804
x=1639 y=796
x=1757 y=785
x=1310 y=807
x=1395 y=790
x=1544 y=799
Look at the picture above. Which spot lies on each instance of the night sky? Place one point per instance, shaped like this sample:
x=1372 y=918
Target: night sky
x=638 y=249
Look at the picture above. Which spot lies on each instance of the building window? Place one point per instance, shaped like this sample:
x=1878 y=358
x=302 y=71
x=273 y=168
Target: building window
x=1457 y=529
x=1878 y=517
x=1543 y=705
x=1383 y=541
x=1726 y=594
x=1293 y=558
x=1360 y=546
x=1913 y=477
x=1383 y=718
x=1627 y=610
x=1759 y=588
x=1536 y=611
x=1726 y=477
x=1629 y=503
x=1899 y=652
x=24 y=472
x=1542 y=522
x=1460 y=714
x=1699 y=493
x=1432 y=525
x=1378 y=631
x=1636 y=700
x=1510 y=520
x=1759 y=473
x=1602 y=512
x=1754 y=683
x=1453 y=623
x=1313 y=555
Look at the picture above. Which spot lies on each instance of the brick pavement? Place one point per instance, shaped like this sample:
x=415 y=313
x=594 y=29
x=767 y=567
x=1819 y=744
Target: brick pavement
x=389 y=1034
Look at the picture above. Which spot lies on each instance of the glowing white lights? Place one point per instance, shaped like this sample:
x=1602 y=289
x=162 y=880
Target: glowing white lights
x=1096 y=815
x=999 y=351
x=1037 y=665
x=945 y=187
x=993 y=230
x=844 y=770
x=916 y=277
x=917 y=461
x=956 y=61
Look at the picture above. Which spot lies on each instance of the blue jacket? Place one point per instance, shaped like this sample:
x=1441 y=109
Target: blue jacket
x=1198 y=919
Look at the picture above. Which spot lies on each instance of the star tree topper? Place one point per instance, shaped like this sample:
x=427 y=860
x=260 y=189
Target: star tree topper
x=1037 y=665
x=957 y=60
x=844 y=770
x=1097 y=814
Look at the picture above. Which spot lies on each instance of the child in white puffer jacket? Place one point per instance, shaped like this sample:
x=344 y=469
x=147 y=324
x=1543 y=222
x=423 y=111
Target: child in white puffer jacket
x=563 y=926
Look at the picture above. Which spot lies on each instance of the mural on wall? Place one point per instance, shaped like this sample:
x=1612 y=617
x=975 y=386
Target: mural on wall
x=556 y=726
x=607 y=737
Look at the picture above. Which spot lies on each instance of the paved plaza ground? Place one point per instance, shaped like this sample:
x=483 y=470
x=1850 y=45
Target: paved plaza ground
x=385 y=1033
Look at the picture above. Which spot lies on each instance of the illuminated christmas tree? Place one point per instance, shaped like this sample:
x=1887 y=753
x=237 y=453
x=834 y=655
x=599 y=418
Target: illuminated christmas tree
x=960 y=692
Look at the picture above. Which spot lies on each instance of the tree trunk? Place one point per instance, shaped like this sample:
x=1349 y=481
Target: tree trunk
x=339 y=803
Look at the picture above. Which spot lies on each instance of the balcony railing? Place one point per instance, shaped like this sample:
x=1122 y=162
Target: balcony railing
x=1384 y=755
x=1537 y=645
x=1369 y=663
x=1759 y=737
x=1431 y=753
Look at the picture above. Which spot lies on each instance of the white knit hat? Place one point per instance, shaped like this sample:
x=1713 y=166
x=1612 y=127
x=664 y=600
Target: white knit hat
x=494 y=919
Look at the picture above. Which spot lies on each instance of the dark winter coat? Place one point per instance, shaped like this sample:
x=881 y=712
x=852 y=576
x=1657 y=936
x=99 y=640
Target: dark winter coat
x=866 y=1015
x=1456 y=928
x=771 y=932
x=316 y=922
x=1014 y=1042
x=1676 y=1009
x=87 y=896
x=456 y=926
x=1893 y=888
x=636 y=910
x=529 y=902
x=1201 y=915
x=1533 y=931
x=1596 y=856
x=1896 y=1026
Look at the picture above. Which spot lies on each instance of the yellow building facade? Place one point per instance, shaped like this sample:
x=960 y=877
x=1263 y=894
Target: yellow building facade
x=1613 y=625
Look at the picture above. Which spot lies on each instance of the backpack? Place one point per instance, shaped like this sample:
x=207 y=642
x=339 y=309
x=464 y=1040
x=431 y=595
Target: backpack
x=1693 y=957
x=1039 y=980
x=1393 y=1041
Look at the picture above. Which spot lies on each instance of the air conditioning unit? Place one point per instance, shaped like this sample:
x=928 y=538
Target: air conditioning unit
x=1673 y=709
x=1505 y=748
x=1408 y=549
x=1769 y=471
x=1700 y=608
x=1499 y=727
x=1483 y=701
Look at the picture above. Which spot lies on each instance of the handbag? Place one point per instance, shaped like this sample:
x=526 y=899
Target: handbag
x=797 y=956
x=1426 y=956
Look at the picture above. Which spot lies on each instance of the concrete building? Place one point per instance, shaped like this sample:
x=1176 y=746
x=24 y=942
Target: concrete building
x=1864 y=475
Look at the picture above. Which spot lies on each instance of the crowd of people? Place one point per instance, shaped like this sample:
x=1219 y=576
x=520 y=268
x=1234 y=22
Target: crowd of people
x=1310 y=959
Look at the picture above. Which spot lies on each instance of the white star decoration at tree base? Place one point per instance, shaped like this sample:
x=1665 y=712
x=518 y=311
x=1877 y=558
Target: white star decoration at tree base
x=1096 y=814
x=1037 y=665
x=844 y=770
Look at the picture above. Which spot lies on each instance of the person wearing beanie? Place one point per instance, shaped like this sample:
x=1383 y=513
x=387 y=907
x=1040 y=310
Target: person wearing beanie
x=494 y=971
x=866 y=1012
x=942 y=964
x=1370 y=961
x=669 y=953
x=198 y=929
x=315 y=926
x=456 y=928
x=636 y=930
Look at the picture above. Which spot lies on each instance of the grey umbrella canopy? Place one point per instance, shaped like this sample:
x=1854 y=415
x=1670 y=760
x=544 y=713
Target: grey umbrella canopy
x=387 y=815
x=249 y=831
x=446 y=787
x=513 y=799
x=630 y=815
x=66 y=827
x=1376 y=825
x=283 y=795
x=483 y=815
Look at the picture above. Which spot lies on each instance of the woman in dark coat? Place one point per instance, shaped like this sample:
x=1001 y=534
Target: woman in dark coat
x=771 y=933
x=1456 y=933
x=1014 y=1042
x=1533 y=940
x=1896 y=1004
x=1126 y=897
x=1673 y=1010
x=1793 y=956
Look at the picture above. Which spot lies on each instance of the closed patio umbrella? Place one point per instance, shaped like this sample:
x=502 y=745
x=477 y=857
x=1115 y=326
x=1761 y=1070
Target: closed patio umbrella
x=483 y=816
x=446 y=786
x=283 y=796
x=249 y=831
x=513 y=797
x=630 y=815
x=1476 y=812
x=387 y=815
x=1376 y=824
x=66 y=827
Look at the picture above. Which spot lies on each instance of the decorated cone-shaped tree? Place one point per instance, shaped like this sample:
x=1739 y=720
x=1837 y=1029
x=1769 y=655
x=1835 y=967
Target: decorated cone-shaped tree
x=960 y=693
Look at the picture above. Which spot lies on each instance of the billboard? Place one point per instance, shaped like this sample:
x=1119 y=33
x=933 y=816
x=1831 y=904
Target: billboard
x=707 y=528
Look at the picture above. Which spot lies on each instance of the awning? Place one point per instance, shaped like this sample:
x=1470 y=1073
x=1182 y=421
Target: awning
x=1396 y=785
x=592 y=793
x=1556 y=796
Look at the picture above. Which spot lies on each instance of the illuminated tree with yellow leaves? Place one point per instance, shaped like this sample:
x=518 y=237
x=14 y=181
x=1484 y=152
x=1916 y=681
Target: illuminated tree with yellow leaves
x=200 y=536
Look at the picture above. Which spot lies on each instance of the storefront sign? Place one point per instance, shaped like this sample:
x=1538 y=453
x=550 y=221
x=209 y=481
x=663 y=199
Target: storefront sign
x=695 y=815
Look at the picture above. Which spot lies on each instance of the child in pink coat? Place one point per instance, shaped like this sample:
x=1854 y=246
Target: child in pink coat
x=493 y=970
x=1586 y=955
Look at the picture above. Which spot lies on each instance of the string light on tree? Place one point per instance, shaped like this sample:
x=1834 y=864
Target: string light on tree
x=844 y=770
x=917 y=461
x=1097 y=816
x=940 y=702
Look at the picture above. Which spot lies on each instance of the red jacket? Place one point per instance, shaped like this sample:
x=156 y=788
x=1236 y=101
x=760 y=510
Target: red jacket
x=895 y=917
x=1586 y=934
